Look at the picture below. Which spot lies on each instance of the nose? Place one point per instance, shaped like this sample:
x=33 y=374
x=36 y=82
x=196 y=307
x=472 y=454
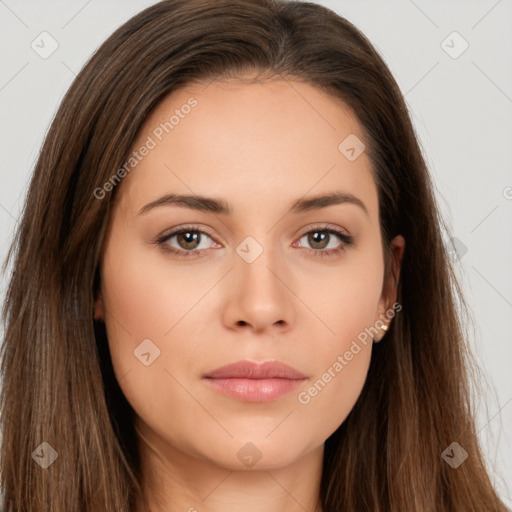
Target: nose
x=259 y=295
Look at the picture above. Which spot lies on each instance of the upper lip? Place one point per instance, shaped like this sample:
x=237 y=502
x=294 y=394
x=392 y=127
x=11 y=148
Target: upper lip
x=251 y=370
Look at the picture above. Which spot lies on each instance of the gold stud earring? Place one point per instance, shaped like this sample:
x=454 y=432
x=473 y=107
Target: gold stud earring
x=384 y=328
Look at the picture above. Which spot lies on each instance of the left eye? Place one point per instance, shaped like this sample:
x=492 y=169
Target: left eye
x=320 y=239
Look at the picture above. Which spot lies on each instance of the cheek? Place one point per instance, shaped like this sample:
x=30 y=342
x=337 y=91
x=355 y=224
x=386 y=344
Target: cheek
x=345 y=298
x=142 y=305
x=328 y=399
x=142 y=297
x=348 y=306
x=340 y=363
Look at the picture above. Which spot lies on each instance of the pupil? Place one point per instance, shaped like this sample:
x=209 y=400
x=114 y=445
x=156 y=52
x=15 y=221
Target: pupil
x=318 y=237
x=190 y=238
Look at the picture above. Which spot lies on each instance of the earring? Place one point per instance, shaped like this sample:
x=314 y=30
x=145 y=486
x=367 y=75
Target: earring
x=384 y=328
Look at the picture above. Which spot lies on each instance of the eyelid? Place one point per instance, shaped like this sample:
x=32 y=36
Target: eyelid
x=186 y=227
x=325 y=226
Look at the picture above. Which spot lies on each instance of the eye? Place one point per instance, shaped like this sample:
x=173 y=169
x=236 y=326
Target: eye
x=322 y=240
x=187 y=241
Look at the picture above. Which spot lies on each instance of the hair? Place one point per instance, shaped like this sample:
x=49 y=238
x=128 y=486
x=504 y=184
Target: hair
x=58 y=381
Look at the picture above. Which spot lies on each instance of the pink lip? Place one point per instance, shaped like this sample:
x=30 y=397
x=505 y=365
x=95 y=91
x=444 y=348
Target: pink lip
x=253 y=382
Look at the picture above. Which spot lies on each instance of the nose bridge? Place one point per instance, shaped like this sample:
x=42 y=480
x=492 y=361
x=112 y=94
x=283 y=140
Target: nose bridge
x=259 y=297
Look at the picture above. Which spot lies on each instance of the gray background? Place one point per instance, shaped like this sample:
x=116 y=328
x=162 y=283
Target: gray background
x=460 y=102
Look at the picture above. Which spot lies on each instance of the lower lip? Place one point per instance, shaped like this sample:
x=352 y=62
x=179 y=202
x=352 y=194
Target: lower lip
x=255 y=390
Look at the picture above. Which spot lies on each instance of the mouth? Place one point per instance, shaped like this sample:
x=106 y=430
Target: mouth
x=253 y=382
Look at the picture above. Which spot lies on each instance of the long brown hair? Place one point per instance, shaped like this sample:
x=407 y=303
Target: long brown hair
x=58 y=381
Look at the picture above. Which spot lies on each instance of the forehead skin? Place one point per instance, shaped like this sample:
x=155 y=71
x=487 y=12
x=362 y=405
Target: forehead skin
x=294 y=130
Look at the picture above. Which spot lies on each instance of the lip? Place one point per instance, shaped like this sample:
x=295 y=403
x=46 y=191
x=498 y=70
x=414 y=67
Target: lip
x=255 y=382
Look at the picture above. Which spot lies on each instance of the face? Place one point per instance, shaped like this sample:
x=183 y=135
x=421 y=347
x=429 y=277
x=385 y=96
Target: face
x=261 y=270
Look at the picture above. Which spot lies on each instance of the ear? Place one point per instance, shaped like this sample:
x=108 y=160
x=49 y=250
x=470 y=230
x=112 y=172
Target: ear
x=390 y=284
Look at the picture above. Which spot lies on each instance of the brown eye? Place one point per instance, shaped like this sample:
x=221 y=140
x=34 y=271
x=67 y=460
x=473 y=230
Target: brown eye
x=186 y=242
x=188 y=239
x=318 y=239
x=324 y=241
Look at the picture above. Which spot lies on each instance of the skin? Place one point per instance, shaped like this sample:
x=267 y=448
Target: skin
x=260 y=147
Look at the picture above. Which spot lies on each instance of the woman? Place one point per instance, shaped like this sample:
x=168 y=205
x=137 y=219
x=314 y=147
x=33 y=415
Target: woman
x=230 y=288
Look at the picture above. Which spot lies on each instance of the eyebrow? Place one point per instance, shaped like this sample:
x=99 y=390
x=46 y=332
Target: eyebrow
x=221 y=207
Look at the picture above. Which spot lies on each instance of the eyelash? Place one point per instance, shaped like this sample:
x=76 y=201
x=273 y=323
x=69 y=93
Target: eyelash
x=346 y=240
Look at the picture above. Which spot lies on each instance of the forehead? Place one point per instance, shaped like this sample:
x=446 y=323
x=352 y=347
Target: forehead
x=254 y=143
